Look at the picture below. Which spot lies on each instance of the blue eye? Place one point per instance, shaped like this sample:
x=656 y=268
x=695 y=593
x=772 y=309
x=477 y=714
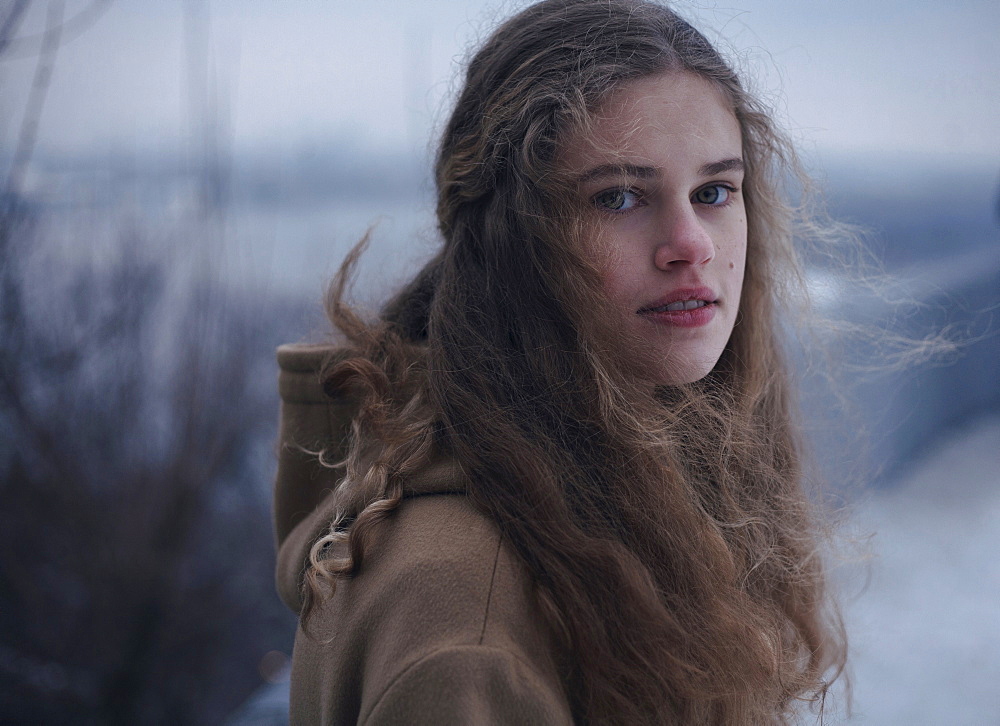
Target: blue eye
x=616 y=200
x=714 y=195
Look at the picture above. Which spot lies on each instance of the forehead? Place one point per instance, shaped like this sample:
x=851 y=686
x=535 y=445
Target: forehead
x=668 y=117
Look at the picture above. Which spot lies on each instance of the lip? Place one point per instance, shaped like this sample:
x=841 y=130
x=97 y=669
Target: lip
x=683 y=318
x=686 y=293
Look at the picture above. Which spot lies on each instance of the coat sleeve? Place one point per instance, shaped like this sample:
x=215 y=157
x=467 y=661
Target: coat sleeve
x=470 y=684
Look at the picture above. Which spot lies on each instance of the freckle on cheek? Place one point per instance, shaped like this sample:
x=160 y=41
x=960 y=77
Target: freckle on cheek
x=731 y=265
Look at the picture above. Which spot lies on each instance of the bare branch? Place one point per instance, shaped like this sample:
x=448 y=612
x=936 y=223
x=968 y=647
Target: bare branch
x=9 y=25
x=70 y=30
x=36 y=101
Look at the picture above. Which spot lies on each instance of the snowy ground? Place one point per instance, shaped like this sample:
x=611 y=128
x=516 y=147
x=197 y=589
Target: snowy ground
x=923 y=615
x=925 y=631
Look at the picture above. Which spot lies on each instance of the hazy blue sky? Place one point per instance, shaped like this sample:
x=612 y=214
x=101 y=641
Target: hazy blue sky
x=920 y=78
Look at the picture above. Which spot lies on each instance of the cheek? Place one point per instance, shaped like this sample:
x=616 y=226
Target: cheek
x=735 y=250
x=738 y=258
x=614 y=282
x=737 y=266
x=609 y=260
x=621 y=274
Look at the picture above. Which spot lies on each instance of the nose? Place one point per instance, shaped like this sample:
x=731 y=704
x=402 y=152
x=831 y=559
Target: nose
x=681 y=238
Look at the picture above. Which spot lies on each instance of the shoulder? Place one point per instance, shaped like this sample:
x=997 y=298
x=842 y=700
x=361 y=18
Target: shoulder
x=434 y=560
x=440 y=606
x=468 y=685
x=439 y=625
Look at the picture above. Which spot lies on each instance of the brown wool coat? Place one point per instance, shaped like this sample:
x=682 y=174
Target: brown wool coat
x=438 y=627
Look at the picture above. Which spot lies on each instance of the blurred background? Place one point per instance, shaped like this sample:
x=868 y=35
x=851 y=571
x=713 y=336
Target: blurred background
x=180 y=179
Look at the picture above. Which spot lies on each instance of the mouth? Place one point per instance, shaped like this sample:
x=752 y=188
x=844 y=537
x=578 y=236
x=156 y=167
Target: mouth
x=682 y=300
x=690 y=307
x=678 y=306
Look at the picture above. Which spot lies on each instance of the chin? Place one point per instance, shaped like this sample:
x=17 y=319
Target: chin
x=680 y=380
x=678 y=374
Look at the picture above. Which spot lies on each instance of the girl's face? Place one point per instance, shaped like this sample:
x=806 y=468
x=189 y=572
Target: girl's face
x=660 y=171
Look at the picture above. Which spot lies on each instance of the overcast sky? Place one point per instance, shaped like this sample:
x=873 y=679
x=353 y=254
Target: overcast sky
x=916 y=77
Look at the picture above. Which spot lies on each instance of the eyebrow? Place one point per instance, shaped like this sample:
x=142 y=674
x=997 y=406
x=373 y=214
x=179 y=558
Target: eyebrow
x=650 y=172
x=720 y=167
x=606 y=170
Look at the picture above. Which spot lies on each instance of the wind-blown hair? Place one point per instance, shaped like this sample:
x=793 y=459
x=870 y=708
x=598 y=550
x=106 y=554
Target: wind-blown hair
x=672 y=545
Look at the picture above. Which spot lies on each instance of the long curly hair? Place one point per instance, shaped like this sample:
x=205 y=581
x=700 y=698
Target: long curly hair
x=668 y=532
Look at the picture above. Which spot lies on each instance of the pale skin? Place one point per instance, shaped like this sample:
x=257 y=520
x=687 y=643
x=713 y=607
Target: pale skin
x=661 y=168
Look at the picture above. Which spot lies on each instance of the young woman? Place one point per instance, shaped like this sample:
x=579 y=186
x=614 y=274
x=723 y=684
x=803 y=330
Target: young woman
x=558 y=480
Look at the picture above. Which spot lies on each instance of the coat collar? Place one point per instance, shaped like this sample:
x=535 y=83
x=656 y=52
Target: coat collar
x=309 y=494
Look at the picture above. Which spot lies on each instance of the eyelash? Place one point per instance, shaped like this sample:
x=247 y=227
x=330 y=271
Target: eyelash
x=730 y=191
x=595 y=200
